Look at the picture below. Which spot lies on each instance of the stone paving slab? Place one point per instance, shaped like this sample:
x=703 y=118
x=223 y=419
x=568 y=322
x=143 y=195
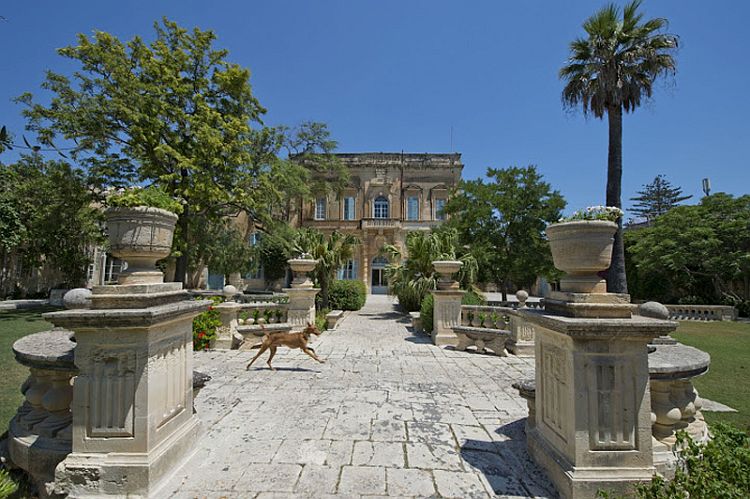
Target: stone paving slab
x=388 y=415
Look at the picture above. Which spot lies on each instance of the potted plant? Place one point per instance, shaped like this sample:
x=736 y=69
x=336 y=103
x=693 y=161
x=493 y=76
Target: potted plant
x=279 y=315
x=482 y=318
x=581 y=246
x=140 y=225
x=268 y=315
x=256 y=316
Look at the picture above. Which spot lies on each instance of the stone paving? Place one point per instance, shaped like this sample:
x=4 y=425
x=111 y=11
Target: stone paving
x=387 y=415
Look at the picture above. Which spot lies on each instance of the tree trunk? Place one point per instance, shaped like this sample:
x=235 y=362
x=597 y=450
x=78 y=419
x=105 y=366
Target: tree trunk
x=181 y=265
x=324 y=293
x=616 y=279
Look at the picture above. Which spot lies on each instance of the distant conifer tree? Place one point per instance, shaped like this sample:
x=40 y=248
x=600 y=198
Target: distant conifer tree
x=657 y=198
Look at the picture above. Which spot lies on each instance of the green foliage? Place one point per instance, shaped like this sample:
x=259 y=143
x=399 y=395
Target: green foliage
x=8 y=486
x=47 y=217
x=701 y=251
x=205 y=325
x=320 y=319
x=426 y=310
x=151 y=196
x=718 y=469
x=226 y=248
x=273 y=250
x=502 y=221
x=331 y=252
x=347 y=295
x=412 y=279
x=606 y=213
x=657 y=198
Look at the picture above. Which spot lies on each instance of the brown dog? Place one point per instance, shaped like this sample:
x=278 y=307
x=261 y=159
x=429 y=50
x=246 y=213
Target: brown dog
x=292 y=340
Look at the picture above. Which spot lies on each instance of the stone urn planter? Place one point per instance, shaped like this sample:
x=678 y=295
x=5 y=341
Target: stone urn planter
x=446 y=270
x=581 y=249
x=141 y=236
x=301 y=267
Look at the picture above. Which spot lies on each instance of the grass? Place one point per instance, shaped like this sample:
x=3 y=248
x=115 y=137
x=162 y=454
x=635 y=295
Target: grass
x=728 y=378
x=13 y=325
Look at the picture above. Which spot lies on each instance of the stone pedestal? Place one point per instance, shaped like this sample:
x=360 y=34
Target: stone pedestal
x=593 y=405
x=301 y=309
x=39 y=435
x=228 y=313
x=446 y=315
x=133 y=420
x=589 y=305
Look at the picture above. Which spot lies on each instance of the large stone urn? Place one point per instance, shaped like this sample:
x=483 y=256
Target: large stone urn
x=446 y=269
x=141 y=236
x=581 y=249
x=301 y=267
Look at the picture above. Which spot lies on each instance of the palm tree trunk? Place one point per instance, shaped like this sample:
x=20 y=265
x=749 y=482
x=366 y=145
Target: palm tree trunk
x=616 y=279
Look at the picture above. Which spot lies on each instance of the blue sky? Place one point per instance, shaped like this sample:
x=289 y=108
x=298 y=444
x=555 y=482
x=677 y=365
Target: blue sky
x=392 y=75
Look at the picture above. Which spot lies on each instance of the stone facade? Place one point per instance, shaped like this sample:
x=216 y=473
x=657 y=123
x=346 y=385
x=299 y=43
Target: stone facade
x=389 y=194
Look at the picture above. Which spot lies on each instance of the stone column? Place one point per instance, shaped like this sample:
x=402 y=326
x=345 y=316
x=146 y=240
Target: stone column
x=228 y=311
x=593 y=404
x=301 y=309
x=133 y=420
x=446 y=313
x=521 y=340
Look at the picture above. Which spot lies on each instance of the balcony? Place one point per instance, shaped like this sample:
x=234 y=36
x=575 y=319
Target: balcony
x=420 y=224
x=381 y=223
x=332 y=224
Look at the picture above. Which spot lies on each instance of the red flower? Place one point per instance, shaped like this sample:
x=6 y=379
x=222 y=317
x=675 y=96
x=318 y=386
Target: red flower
x=210 y=307
x=201 y=335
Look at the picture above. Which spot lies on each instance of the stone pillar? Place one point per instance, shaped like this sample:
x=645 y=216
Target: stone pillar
x=446 y=313
x=593 y=403
x=228 y=314
x=301 y=309
x=521 y=340
x=133 y=420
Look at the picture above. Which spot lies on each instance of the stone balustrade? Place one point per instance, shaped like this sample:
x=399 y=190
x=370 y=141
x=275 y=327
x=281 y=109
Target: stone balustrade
x=262 y=313
x=244 y=324
x=499 y=320
x=702 y=312
x=39 y=435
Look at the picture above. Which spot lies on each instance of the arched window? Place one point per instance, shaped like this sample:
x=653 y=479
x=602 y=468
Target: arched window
x=380 y=207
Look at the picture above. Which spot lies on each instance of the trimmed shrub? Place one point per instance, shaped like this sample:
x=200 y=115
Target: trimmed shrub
x=347 y=295
x=320 y=319
x=428 y=304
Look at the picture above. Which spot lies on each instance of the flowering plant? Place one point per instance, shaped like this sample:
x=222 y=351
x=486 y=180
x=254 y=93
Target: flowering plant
x=608 y=213
x=205 y=325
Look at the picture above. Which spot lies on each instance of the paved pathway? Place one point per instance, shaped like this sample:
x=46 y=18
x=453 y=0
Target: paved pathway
x=388 y=414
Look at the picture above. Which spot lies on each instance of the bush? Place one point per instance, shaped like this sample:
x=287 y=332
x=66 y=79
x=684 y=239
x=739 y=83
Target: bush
x=320 y=319
x=347 y=295
x=428 y=304
x=8 y=486
x=719 y=468
x=148 y=196
x=205 y=325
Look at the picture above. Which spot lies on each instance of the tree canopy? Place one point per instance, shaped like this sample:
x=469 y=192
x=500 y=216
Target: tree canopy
x=657 y=198
x=502 y=221
x=695 y=253
x=611 y=70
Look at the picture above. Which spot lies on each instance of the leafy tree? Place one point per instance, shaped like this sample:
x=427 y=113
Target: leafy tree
x=610 y=71
x=657 y=198
x=173 y=112
x=273 y=250
x=503 y=221
x=331 y=252
x=412 y=278
x=228 y=250
x=700 y=251
x=48 y=218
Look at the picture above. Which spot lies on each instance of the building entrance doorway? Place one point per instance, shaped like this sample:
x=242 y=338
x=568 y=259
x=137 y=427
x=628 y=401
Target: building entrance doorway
x=378 y=281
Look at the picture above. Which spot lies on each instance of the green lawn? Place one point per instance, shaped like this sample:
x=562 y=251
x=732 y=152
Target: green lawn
x=728 y=378
x=13 y=325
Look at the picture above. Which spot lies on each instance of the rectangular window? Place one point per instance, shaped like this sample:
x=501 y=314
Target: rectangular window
x=439 y=205
x=320 y=209
x=348 y=271
x=412 y=208
x=349 y=208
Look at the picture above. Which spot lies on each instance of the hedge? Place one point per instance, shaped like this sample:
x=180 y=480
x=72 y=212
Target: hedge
x=347 y=295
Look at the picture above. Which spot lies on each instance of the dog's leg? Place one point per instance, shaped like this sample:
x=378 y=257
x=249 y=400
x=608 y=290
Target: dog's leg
x=309 y=351
x=263 y=348
x=270 y=358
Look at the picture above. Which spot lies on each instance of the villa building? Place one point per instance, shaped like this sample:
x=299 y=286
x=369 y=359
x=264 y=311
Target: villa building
x=389 y=194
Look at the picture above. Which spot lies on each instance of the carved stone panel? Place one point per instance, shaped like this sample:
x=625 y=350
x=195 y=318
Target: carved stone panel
x=111 y=393
x=554 y=390
x=612 y=406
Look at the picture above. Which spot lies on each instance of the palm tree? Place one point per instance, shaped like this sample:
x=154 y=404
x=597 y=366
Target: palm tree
x=612 y=70
x=331 y=252
x=412 y=278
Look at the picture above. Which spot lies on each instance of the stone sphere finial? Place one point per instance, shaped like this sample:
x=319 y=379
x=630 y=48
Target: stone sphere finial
x=77 y=298
x=522 y=296
x=653 y=309
x=229 y=292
